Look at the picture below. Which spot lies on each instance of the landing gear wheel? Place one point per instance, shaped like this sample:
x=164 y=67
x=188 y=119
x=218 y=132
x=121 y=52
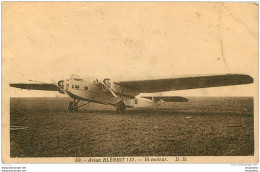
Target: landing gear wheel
x=71 y=107
x=120 y=107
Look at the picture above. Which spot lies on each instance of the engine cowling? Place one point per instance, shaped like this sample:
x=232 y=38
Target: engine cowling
x=107 y=84
x=61 y=86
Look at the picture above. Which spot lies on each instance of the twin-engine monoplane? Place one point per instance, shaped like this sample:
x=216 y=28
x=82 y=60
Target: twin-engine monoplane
x=124 y=94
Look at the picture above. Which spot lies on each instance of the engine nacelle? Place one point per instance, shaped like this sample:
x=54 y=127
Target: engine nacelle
x=118 y=88
x=61 y=86
x=107 y=84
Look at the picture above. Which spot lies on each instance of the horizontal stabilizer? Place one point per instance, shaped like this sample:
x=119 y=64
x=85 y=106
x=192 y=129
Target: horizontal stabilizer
x=33 y=86
x=168 y=98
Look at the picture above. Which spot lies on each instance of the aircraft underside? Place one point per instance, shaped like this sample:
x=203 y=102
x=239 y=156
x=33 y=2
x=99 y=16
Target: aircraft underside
x=121 y=105
x=74 y=106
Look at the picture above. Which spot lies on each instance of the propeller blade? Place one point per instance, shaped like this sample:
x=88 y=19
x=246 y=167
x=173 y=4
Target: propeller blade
x=60 y=87
x=38 y=82
x=110 y=90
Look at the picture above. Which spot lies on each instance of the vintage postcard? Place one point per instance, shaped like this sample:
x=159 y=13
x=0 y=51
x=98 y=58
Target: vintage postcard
x=130 y=82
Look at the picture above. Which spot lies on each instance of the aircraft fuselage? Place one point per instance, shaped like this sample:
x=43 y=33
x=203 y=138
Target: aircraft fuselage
x=94 y=91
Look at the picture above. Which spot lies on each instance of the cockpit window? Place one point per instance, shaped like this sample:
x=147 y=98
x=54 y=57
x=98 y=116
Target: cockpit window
x=76 y=86
x=96 y=81
x=77 y=79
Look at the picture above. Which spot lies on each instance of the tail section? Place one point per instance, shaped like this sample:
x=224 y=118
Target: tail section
x=159 y=100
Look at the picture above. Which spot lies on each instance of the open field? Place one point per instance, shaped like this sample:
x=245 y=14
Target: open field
x=41 y=127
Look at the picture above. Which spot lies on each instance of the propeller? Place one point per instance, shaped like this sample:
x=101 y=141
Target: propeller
x=110 y=90
x=38 y=82
x=59 y=87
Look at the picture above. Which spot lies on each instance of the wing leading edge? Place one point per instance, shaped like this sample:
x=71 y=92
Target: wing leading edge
x=33 y=86
x=184 y=83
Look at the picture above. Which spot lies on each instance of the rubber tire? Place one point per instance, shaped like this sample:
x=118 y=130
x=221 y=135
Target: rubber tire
x=120 y=108
x=71 y=109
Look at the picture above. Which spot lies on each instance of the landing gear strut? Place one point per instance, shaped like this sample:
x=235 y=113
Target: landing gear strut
x=73 y=106
x=120 y=107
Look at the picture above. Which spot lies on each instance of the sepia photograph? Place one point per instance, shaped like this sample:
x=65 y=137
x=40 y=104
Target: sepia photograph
x=130 y=82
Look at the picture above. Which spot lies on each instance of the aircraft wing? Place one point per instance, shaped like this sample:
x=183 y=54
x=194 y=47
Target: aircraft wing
x=38 y=86
x=187 y=82
x=167 y=98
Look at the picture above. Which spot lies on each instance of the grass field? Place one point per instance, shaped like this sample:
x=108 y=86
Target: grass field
x=41 y=127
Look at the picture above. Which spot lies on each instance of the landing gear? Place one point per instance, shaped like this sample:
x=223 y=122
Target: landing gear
x=73 y=106
x=120 y=107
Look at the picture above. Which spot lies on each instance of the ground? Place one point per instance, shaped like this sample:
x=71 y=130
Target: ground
x=41 y=127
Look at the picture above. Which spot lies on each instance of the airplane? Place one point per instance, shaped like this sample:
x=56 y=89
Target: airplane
x=124 y=94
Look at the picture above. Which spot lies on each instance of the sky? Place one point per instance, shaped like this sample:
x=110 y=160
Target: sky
x=47 y=41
